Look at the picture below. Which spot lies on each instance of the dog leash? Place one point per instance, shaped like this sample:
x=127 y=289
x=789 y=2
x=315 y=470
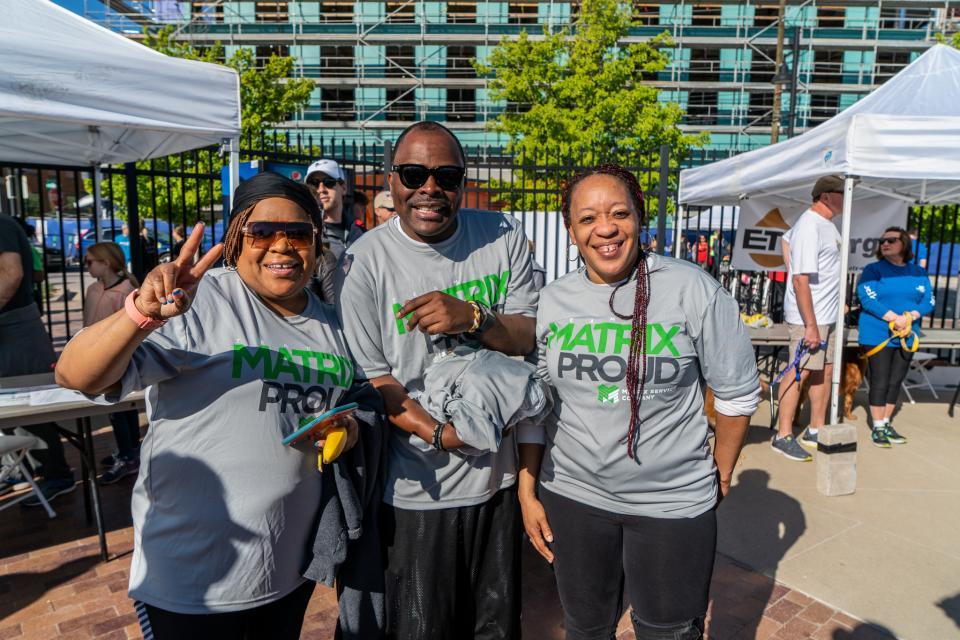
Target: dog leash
x=802 y=349
x=903 y=335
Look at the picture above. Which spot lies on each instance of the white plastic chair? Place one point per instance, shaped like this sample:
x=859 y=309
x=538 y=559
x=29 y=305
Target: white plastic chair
x=17 y=447
x=916 y=367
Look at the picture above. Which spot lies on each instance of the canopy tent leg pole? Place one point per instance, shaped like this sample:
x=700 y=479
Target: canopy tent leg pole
x=97 y=181
x=234 y=170
x=678 y=230
x=844 y=265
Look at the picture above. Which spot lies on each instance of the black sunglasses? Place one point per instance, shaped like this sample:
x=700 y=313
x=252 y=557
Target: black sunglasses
x=262 y=235
x=329 y=183
x=889 y=240
x=414 y=176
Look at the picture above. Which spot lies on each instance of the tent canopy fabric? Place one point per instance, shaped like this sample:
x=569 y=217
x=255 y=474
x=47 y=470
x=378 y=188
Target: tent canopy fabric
x=74 y=93
x=902 y=140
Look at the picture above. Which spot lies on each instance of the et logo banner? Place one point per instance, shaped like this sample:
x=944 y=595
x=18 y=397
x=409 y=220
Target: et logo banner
x=763 y=221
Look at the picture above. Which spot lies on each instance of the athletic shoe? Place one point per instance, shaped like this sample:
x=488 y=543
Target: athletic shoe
x=879 y=437
x=15 y=482
x=110 y=460
x=893 y=436
x=789 y=448
x=120 y=469
x=50 y=490
x=808 y=439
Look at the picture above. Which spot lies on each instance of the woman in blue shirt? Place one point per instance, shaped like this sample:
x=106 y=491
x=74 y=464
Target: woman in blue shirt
x=891 y=290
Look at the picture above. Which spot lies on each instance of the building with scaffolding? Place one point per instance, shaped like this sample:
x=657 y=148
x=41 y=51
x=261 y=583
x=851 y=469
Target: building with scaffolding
x=378 y=66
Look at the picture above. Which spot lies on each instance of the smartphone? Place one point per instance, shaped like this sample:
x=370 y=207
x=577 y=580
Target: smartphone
x=317 y=424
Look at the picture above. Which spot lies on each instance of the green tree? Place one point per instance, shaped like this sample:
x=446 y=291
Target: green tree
x=577 y=97
x=268 y=95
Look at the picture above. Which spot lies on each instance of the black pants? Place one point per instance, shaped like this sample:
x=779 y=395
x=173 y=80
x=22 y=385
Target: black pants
x=126 y=430
x=25 y=349
x=665 y=563
x=279 y=620
x=886 y=370
x=454 y=573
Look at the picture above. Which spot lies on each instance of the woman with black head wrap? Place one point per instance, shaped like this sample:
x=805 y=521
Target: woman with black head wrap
x=232 y=359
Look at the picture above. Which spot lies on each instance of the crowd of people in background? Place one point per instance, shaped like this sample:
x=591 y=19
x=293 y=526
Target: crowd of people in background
x=417 y=525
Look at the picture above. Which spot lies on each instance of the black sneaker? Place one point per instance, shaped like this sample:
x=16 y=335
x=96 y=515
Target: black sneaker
x=110 y=460
x=893 y=436
x=120 y=469
x=50 y=490
x=879 y=437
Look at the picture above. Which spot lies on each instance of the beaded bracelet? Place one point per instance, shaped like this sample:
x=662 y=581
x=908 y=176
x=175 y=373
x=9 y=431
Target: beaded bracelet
x=438 y=436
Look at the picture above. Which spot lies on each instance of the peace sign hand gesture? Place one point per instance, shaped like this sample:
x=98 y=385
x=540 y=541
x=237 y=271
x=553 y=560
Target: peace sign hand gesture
x=167 y=289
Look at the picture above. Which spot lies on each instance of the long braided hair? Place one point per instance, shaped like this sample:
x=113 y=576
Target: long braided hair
x=637 y=361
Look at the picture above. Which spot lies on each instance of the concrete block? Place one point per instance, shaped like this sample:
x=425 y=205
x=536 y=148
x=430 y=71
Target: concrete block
x=837 y=459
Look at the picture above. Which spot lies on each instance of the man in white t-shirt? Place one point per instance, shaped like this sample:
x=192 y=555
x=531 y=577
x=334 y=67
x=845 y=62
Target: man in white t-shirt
x=810 y=310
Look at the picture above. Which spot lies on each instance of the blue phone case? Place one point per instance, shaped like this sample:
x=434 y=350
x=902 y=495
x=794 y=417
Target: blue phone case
x=305 y=429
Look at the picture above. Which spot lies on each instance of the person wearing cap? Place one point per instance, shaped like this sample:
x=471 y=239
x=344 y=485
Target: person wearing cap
x=810 y=310
x=233 y=360
x=383 y=207
x=341 y=228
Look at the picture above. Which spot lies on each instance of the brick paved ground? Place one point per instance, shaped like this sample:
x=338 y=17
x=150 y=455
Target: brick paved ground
x=54 y=587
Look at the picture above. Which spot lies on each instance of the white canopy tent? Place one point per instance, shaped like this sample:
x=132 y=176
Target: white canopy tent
x=73 y=93
x=902 y=140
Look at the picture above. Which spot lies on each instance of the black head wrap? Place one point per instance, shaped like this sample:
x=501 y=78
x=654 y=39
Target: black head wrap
x=273 y=185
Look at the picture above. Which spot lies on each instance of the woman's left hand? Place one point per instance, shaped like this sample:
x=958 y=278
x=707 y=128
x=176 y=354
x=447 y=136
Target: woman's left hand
x=349 y=423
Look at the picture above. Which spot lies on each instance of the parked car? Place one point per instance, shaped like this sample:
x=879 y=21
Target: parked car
x=111 y=230
x=50 y=234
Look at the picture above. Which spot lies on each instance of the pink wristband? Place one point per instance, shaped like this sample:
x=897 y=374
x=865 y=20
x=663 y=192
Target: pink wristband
x=143 y=322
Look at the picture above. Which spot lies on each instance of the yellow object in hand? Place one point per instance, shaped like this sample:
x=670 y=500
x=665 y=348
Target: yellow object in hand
x=336 y=440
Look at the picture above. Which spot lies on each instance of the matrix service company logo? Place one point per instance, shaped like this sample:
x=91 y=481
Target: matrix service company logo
x=762 y=241
x=608 y=394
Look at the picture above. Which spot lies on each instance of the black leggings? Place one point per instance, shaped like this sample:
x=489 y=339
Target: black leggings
x=885 y=373
x=666 y=564
x=280 y=620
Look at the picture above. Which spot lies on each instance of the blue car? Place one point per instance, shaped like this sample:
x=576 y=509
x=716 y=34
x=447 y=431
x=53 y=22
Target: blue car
x=111 y=230
x=53 y=235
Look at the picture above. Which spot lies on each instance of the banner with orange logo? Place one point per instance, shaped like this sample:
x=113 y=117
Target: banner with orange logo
x=763 y=221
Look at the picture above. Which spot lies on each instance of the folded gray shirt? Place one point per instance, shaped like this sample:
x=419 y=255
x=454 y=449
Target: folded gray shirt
x=484 y=393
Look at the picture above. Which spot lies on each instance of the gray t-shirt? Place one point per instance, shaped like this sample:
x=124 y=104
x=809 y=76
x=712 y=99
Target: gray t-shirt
x=487 y=260
x=694 y=335
x=223 y=513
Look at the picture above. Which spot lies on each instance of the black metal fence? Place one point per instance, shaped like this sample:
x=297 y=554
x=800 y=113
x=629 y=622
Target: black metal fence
x=143 y=204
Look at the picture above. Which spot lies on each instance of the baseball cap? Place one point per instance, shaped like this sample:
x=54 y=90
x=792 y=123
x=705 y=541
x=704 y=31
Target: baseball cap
x=384 y=199
x=327 y=167
x=827 y=184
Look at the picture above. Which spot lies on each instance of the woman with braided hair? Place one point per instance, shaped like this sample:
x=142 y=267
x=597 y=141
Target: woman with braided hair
x=628 y=484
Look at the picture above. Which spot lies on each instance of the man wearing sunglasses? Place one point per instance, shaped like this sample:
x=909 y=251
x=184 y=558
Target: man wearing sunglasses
x=810 y=309
x=340 y=227
x=427 y=280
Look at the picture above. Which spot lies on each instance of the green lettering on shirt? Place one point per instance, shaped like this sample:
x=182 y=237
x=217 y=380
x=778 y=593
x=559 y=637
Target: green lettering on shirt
x=611 y=337
x=487 y=290
x=300 y=365
x=260 y=357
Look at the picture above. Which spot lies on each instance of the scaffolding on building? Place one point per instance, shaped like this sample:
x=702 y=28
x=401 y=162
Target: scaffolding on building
x=378 y=66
